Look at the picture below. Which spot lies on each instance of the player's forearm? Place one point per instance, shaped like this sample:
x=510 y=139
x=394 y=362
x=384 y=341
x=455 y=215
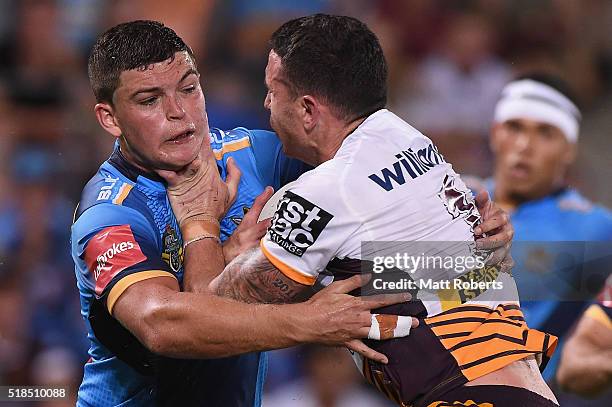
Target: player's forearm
x=190 y=325
x=585 y=373
x=586 y=361
x=251 y=278
x=203 y=262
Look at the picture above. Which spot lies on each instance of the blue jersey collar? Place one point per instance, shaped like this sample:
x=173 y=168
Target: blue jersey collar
x=489 y=185
x=130 y=171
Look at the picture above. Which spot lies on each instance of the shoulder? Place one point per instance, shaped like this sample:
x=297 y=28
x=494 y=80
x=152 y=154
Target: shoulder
x=573 y=201
x=325 y=183
x=224 y=141
x=104 y=202
x=314 y=188
x=107 y=186
x=107 y=215
x=594 y=218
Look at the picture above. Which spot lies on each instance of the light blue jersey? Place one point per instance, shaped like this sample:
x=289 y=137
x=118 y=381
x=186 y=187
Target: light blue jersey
x=125 y=232
x=559 y=245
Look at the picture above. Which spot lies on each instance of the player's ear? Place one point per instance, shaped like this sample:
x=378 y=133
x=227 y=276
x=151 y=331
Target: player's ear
x=106 y=117
x=494 y=140
x=309 y=109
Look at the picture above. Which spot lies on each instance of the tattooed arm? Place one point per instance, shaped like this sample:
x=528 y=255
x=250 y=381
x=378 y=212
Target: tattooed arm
x=251 y=277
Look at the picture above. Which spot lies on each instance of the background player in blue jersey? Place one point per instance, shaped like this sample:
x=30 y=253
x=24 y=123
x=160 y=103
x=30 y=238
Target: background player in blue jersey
x=534 y=139
x=142 y=266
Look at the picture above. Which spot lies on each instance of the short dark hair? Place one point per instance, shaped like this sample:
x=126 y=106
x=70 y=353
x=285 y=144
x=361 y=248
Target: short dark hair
x=337 y=58
x=554 y=81
x=129 y=46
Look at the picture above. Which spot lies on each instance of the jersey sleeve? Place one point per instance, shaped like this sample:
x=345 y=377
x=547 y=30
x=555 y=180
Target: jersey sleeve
x=274 y=167
x=308 y=229
x=114 y=247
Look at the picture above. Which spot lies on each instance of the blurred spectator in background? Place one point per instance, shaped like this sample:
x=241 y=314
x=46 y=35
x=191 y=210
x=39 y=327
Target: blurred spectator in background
x=455 y=90
x=57 y=367
x=331 y=380
x=534 y=140
x=14 y=351
x=33 y=226
x=234 y=82
x=6 y=129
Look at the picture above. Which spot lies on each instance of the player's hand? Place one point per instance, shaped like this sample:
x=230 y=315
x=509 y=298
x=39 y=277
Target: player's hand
x=248 y=234
x=357 y=346
x=197 y=191
x=495 y=233
x=336 y=318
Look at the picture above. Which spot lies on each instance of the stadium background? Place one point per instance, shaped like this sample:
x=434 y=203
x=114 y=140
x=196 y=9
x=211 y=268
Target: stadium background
x=448 y=60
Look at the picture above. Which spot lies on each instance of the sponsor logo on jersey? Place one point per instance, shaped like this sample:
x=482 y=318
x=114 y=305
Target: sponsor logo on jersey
x=410 y=162
x=115 y=250
x=297 y=223
x=216 y=137
x=111 y=251
x=459 y=202
x=487 y=275
x=107 y=190
x=172 y=250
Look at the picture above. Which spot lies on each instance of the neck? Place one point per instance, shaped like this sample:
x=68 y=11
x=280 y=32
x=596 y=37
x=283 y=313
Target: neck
x=131 y=158
x=508 y=200
x=505 y=199
x=327 y=145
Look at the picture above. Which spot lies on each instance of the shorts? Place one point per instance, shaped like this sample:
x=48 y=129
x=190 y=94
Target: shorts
x=489 y=396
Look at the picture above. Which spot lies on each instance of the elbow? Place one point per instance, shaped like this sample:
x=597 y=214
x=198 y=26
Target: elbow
x=584 y=383
x=157 y=328
x=564 y=377
x=167 y=331
x=570 y=384
x=567 y=373
x=157 y=343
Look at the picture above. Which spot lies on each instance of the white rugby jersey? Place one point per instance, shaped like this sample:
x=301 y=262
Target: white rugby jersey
x=388 y=183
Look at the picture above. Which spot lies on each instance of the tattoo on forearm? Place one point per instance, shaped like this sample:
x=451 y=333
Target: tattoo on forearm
x=250 y=277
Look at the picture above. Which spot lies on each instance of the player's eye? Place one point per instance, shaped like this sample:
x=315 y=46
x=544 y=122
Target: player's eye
x=513 y=127
x=148 y=101
x=189 y=89
x=546 y=132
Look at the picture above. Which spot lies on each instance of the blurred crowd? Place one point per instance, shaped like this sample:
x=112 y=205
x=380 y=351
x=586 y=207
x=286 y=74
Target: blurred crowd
x=448 y=61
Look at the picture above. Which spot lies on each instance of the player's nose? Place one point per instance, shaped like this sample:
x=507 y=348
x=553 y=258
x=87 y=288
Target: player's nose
x=267 y=101
x=523 y=142
x=174 y=109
